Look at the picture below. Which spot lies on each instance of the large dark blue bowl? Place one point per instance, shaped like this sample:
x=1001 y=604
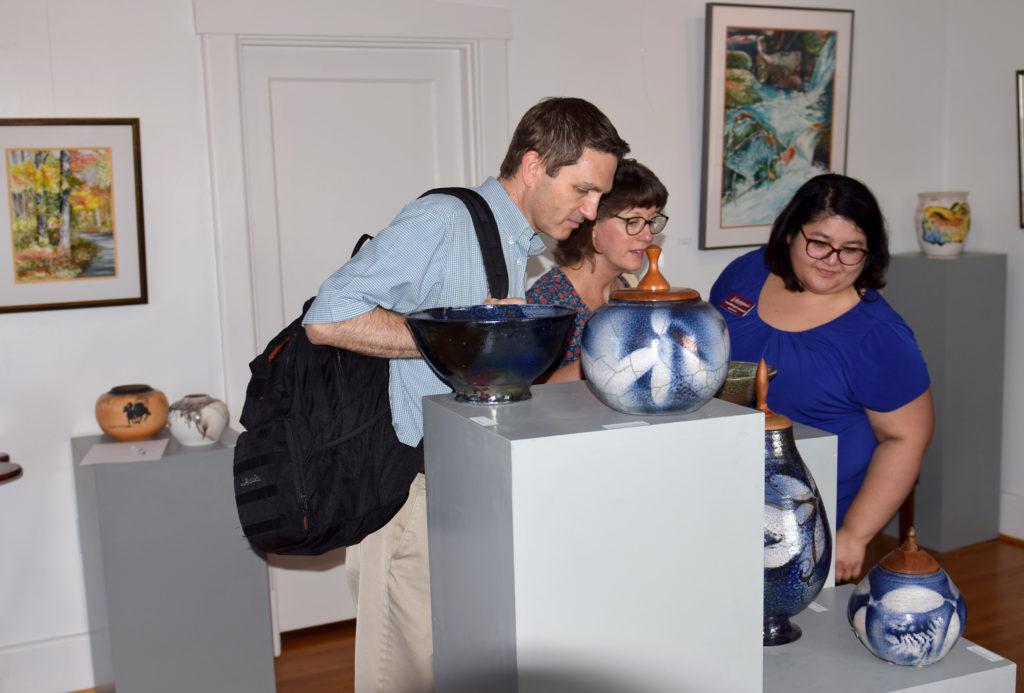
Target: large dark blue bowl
x=490 y=354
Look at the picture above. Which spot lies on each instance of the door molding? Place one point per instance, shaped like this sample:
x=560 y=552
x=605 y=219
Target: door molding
x=377 y=18
x=226 y=27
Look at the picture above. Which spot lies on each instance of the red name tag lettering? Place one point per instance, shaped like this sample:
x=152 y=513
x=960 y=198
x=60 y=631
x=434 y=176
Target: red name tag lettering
x=737 y=305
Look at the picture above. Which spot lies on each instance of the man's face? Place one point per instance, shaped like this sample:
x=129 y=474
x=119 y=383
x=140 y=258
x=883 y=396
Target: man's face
x=557 y=204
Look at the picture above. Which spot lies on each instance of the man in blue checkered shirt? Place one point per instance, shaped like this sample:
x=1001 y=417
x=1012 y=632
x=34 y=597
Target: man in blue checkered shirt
x=561 y=159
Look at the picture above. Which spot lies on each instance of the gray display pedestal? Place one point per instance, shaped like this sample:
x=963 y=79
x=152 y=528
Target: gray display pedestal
x=573 y=548
x=957 y=310
x=170 y=576
x=829 y=657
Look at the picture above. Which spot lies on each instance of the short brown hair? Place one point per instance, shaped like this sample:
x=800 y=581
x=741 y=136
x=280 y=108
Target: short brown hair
x=635 y=185
x=559 y=128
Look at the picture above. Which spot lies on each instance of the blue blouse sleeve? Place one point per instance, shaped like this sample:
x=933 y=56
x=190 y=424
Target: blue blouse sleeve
x=890 y=369
x=722 y=284
x=744 y=274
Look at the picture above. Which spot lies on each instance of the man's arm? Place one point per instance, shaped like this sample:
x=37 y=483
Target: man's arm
x=378 y=332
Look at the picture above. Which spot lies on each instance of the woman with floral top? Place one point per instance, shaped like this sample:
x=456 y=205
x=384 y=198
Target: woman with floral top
x=594 y=259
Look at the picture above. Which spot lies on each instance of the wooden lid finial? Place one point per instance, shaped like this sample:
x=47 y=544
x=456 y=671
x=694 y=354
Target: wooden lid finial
x=772 y=421
x=654 y=280
x=654 y=286
x=909 y=558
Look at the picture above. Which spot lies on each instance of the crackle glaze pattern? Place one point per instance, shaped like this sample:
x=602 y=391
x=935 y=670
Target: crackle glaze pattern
x=797 y=537
x=662 y=357
x=913 y=620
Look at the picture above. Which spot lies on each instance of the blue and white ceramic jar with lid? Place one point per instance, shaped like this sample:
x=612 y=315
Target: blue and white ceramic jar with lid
x=907 y=610
x=797 y=535
x=655 y=349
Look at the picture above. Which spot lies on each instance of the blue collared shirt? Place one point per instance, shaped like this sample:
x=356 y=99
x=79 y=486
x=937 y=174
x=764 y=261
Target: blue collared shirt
x=428 y=257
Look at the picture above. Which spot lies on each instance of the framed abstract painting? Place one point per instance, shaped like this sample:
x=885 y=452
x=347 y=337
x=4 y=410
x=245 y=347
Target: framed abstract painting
x=776 y=104
x=71 y=214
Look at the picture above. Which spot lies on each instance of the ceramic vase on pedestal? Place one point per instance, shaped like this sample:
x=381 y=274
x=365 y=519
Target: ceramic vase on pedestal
x=797 y=537
x=197 y=419
x=655 y=349
x=907 y=610
x=131 y=412
x=943 y=220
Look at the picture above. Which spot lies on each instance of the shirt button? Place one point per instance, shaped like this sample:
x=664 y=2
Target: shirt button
x=511 y=241
x=519 y=262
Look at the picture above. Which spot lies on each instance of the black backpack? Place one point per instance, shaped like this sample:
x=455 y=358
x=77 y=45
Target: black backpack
x=319 y=465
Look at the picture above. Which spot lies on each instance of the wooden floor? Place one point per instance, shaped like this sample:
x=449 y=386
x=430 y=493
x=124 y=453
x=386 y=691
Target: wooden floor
x=990 y=575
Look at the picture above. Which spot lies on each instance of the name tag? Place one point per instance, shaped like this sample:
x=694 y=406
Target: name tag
x=737 y=305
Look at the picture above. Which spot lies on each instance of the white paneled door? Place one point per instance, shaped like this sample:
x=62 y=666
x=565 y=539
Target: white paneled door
x=318 y=137
x=337 y=139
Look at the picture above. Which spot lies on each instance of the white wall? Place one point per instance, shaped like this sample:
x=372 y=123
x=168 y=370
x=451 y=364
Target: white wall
x=97 y=58
x=931 y=108
x=984 y=52
x=643 y=64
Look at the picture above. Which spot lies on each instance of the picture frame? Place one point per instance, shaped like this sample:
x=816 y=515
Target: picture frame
x=1020 y=145
x=776 y=113
x=71 y=214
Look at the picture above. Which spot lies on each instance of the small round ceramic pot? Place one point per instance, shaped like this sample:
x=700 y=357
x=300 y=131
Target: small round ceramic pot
x=131 y=412
x=197 y=419
x=909 y=618
x=655 y=349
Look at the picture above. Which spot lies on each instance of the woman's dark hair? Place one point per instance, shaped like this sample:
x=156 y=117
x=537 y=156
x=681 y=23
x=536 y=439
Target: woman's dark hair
x=825 y=196
x=559 y=128
x=634 y=185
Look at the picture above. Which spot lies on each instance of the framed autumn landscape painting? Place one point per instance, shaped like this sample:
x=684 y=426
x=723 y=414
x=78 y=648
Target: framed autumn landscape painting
x=777 y=94
x=71 y=224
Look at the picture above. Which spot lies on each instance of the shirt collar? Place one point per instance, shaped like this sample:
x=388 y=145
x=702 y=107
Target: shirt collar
x=511 y=222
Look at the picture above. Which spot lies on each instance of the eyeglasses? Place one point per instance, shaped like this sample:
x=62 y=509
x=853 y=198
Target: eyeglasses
x=634 y=225
x=820 y=250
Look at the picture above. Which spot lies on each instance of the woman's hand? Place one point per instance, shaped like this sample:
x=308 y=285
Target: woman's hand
x=903 y=436
x=503 y=301
x=569 y=372
x=849 y=556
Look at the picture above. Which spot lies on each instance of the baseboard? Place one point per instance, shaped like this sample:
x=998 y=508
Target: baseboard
x=1011 y=515
x=30 y=667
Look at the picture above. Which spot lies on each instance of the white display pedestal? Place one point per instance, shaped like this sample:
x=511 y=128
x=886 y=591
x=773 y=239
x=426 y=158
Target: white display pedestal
x=576 y=548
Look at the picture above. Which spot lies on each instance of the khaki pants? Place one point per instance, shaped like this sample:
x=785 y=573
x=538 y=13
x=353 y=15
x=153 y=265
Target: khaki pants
x=389 y=576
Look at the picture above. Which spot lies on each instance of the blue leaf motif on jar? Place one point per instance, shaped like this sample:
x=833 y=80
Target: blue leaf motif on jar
x=655 y=351
x=797 y=536
x=907 y=610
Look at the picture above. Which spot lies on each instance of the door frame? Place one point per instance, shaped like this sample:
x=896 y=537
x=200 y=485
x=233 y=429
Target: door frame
x=226 y=27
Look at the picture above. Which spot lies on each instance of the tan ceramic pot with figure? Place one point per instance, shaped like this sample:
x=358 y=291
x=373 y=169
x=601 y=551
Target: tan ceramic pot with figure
x=131 y=412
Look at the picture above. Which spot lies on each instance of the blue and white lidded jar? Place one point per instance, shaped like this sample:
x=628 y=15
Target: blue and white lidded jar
x=907 y=610
x=797 y=536
x=655 y=349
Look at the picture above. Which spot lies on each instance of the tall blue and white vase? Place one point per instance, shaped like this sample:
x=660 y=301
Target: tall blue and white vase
x=907 y=610
x=797 y=536
x=655 y=349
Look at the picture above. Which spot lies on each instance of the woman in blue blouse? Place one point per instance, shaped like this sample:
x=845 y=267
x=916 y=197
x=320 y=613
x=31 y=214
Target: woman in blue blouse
x=808 y=302
x=592 y=260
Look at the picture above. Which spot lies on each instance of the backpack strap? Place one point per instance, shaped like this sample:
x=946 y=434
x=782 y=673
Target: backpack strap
x=359 y=244
x=487 y=236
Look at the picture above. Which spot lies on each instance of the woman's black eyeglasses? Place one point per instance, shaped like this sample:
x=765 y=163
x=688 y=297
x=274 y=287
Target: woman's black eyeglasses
x=820 y=250
x=634 y=225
